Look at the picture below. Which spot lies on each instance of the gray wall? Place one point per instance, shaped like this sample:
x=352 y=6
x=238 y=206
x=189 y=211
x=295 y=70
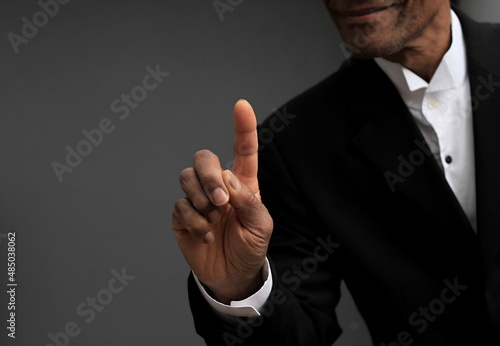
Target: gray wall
x=112 y=211
x=482 y=10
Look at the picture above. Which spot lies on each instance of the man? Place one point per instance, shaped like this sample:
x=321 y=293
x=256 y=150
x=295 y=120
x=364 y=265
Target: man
x=387 y=177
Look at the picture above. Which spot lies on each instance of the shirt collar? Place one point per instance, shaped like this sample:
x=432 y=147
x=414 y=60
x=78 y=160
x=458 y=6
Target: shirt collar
x=450 y=74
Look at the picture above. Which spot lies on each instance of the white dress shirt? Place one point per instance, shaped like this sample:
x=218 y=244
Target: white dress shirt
x=442 y=109
x=245 y=308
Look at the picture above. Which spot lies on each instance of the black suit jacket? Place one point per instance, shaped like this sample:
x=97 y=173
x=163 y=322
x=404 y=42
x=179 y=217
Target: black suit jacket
x=345 y=207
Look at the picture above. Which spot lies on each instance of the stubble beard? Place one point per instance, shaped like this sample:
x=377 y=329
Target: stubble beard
x=363 y=45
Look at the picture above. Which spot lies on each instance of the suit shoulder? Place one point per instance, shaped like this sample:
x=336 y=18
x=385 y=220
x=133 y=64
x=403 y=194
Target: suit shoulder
x=480 y=41
x=338 y=83
x=321 y=113
x=332 y=93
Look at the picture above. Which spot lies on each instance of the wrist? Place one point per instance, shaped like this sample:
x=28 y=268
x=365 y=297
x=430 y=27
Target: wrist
x=227 y=293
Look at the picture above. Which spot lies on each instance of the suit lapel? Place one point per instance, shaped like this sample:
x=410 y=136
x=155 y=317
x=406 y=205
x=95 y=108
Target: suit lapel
x=391 y=140
x=388 y=135
x=484 y=74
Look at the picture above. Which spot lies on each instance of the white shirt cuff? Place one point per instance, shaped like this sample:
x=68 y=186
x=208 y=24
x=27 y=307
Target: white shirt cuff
x=248 y=307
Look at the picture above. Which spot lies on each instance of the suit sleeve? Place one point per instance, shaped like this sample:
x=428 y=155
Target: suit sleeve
x=306 y=285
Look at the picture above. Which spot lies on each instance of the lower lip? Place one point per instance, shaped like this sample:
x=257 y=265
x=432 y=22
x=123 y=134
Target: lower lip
x=365 y=18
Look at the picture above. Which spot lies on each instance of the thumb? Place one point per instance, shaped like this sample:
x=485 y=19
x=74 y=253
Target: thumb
x=249 y=209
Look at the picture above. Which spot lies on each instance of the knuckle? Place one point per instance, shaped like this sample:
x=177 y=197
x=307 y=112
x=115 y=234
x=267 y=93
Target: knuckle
x=199 y=232
x=246 y=147
x=210 y=185
x=192 y=220
x=203 y=154
x=265 y=223
x=177 y=223
x=186 y=176
x=250 y=199
x=180 y=206
x=200 y=202
x=268 y=223
x=198 y=228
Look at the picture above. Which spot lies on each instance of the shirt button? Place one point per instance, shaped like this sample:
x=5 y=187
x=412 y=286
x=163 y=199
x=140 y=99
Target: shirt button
x=448 y=159
x=433 y=103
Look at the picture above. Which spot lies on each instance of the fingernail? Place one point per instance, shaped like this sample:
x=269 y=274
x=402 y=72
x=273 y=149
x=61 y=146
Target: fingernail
x=213 y=217
x=208 y=238
x=234 y=182
x=219 y=196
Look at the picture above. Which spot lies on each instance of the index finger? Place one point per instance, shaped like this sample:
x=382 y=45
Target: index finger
x=245 y=144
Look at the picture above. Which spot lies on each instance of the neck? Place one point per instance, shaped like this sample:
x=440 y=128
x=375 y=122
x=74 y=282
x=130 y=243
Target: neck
x=424 y=54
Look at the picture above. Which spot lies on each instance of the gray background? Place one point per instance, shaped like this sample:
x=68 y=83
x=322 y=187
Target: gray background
x=113 y=211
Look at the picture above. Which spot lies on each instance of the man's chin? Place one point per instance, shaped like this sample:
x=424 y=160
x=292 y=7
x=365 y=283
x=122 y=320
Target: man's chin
x=364 y=56
x=373 y=50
